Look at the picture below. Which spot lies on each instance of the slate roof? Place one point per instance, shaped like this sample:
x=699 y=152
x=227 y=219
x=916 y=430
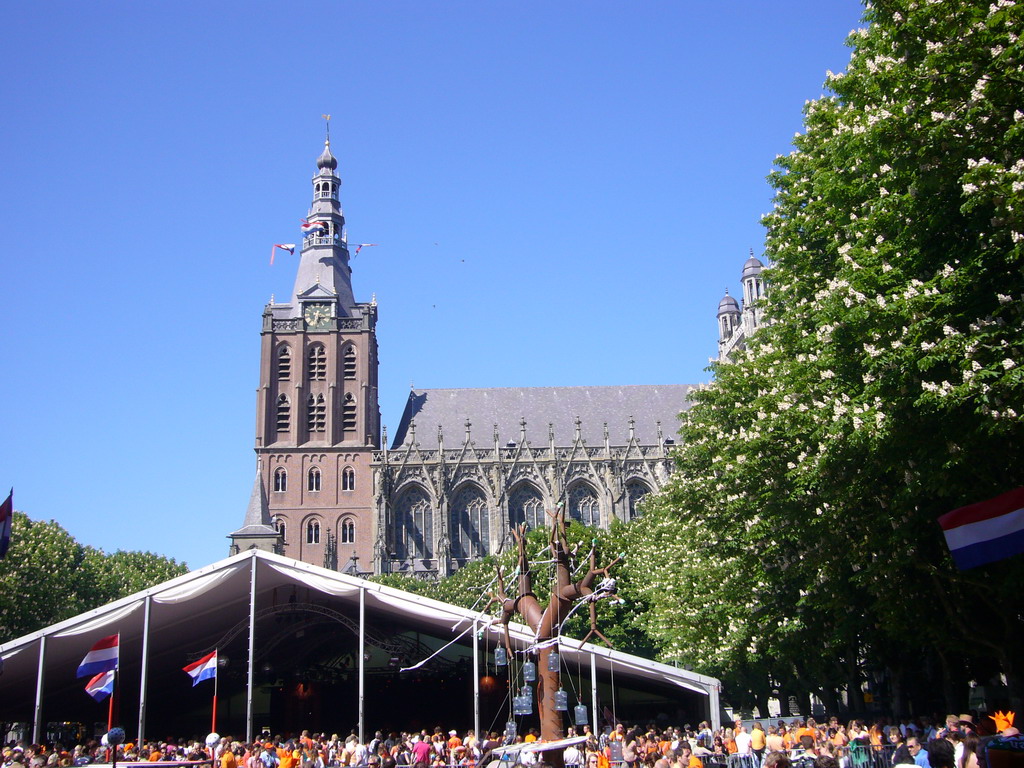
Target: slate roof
x=539 y=406
x=257 y=514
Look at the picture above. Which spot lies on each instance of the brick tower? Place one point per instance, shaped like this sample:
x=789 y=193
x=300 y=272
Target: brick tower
x=317 y=413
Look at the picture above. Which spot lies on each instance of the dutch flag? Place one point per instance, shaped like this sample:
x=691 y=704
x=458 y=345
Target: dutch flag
x=102 y=657
x=204 y=669
x=313 y=227
x=986 y=531
x=101 y=686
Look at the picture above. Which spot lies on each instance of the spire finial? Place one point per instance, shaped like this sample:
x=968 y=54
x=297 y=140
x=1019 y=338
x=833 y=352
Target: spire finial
x=751 y=253
x=327 y=119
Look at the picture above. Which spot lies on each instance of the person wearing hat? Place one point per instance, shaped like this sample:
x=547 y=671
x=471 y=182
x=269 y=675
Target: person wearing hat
x=454 y=742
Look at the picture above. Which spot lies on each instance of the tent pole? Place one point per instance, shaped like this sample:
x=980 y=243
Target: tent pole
x=37 y=724
x=593 y=694
x=145 y=669
x=362 y=662
x=252 y=647
x=476 y=680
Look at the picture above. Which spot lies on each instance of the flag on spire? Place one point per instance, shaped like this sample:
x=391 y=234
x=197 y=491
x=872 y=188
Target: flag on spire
x=6 y=521
x=312 y=227
x=101 y=686
x=290 y=247
x=204 y=669
x=102 y=657
x=361 y=246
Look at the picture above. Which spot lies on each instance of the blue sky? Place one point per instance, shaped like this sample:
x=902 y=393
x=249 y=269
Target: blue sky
x=561 y=192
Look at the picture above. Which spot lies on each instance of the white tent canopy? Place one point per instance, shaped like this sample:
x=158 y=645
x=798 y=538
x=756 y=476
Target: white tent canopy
x=190 y=613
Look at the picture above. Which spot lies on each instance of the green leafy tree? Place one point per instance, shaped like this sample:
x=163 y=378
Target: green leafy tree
x=885 y=390
x=47 y=576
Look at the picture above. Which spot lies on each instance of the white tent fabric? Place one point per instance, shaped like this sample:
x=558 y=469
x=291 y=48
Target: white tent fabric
x=200 y=586
x=104 y=620
x=318 y=582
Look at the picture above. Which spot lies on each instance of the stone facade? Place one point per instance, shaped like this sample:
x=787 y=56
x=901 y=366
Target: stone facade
x=438 y=507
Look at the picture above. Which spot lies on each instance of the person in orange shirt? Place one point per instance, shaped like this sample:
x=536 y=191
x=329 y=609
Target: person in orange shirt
x=758 y=741
x=227 y=758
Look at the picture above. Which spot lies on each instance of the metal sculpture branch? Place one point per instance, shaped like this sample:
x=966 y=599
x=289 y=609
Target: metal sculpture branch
x=547 y=621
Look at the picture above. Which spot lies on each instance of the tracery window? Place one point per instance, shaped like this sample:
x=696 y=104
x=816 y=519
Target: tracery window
x=317 y=363
x=635 y=490
x=348 y=532
x=349 y=363
x=284 y=413
x=414 y=525
x=313 y=479
x=348 y=479
x=526 y=505
x=280 y=480
x=470 y=523
x=316 y=413
x=284 y=363
x=313 y=532
x=583 y=505
x=348 y=412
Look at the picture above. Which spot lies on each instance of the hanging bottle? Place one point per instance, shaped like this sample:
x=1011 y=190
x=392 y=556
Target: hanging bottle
x=554 y=661
x=510 y=731
x=561 y=701
x=580 y=713
x=530 y=672
x=500 y=657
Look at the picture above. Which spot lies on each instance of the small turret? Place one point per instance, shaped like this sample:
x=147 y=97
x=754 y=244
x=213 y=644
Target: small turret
x=728 y=316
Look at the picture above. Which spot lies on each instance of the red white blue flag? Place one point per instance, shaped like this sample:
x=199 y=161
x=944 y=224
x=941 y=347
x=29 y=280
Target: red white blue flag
x=102 y=657
x=204 y=669
x=290 y=247
x=101 y=686
x=6 y=519
x=312 y=227
x=986 y=531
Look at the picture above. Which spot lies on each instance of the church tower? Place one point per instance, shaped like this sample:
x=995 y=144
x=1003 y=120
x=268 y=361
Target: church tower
x=317 y=413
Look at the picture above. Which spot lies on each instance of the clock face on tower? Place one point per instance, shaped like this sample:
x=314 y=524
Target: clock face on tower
x=317 y=315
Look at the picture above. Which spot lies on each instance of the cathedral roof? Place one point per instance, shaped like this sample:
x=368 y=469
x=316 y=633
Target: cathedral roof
x=506 y=407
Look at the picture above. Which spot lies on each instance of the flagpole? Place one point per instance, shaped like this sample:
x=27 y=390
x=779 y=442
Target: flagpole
x=213 y=727
x=110 y=707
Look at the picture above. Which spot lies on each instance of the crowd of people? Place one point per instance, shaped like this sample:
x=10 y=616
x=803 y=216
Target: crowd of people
x=956 y=743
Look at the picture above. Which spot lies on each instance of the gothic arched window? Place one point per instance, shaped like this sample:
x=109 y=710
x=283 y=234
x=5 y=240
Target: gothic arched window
x=284 y=413
x=471 y=528
x=348 y=412
x=313 y=479
x=280 y=480
x=583 y=505
x=349 y=363
x=348 y=479
x=316 y=413
x=414 y=525
x=635 y=490
x=279 y=526
x=317 y=363
x=313 y=532
x=284 y=363
x=348 y=532
x=526 y=505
